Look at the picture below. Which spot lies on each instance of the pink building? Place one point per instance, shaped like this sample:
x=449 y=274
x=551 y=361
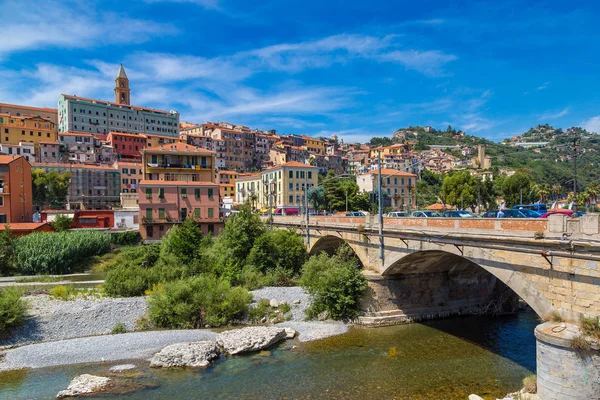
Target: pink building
x=165 y=203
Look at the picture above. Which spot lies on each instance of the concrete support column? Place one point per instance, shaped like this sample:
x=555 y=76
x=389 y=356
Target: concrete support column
x=562 y=372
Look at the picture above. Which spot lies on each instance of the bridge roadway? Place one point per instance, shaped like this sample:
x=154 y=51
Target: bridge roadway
x=435 y=267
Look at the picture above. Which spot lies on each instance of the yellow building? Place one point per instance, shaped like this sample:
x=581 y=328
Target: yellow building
x=27 y=111
x=227 y=190
x=14 y=130
x=155 y=140
x=282 y=187
x=178 y=162
x=314 y=145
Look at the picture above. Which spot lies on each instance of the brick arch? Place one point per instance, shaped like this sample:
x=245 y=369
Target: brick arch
x=428 y=261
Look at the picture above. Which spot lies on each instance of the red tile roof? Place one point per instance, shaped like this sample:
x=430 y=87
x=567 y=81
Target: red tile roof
x=177 y=147
x=45 y=109
x=390 y=171
x=71 y=166
x=23 y=226
x=116 y=104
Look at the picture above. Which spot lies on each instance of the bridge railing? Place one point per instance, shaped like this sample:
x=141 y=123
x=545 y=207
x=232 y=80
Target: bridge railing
x=585 y=227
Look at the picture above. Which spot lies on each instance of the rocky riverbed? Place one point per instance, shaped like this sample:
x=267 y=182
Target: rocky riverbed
x=56 y=331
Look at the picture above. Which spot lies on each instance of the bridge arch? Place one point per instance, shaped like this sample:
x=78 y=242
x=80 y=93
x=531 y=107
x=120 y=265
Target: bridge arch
x=330 y=243
x=466 y=274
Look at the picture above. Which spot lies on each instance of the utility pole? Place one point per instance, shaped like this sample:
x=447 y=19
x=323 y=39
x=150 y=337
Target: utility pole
x=306 y=207
x=380 y=203
x=346 y=200
x=521 y=196
x=576 y=140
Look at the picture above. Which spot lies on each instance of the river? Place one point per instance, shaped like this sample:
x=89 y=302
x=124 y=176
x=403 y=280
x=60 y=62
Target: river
x=442 y=360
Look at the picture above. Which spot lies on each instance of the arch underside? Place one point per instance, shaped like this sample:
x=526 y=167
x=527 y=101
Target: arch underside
x=329 y=244
x=458 y=279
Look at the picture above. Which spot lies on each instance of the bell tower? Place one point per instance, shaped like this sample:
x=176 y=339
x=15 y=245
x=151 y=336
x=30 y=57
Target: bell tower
x=122 y=91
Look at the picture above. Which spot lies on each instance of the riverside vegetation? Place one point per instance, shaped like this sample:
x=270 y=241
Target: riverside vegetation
x=194 y=280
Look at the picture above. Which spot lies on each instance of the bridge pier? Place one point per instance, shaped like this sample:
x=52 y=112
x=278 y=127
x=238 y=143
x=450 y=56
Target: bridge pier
x=565 y=373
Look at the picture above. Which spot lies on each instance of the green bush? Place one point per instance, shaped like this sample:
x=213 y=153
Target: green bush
x=127 y=238
x=57 y=252
x=278 y=249
x=62 y=223
x=146 y=256
x=6 y=252
x=335 y=284
x=196 y=302
x=62 y=292
x=119 y=328
x=128 y=281
x=12 y=308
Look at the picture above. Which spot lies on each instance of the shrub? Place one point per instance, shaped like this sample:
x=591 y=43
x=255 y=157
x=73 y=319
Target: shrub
x=580 y=343
x=278 y=249
x=12 y=308
x=128 y=281
x=186 y=242
x=591 y=327
x=554 y=316
x=143 y=323
x=57 y=252
x=335 y=284
x=6 y=252
x=530 y=383
x=262 y=310
x=127 y=238
x=62 y=292
x=119 y=328
x=146 y=256
x=196 y=302
x=62 y=223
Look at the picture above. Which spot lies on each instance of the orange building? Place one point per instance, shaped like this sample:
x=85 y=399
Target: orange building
x=17 y=129
x=15 y=190
x=26 y=111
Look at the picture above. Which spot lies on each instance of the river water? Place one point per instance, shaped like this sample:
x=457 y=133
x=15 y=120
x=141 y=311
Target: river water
x=444 y=359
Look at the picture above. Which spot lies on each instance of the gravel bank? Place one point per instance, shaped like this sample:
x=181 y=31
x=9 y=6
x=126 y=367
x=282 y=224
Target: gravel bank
x=51 y=319
x=290 y=295
x=315 y=330
x=126 y=346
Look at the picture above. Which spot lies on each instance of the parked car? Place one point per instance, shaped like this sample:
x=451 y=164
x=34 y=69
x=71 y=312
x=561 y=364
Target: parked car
x=425 y=214
x=530 y=213
x=507 y=214
x=397 y=214
x=566 y=212
x=539 y=208
x=459 y=214
x=356 y=214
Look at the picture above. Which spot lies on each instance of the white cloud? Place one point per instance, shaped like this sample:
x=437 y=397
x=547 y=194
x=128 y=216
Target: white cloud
x=592 y=124
x=543 y=86
x=72 y=24
x=554 y=115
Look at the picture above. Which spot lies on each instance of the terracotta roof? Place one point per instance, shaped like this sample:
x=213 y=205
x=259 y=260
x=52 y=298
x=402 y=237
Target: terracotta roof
x=127 y=134
x=45 y=109
x=228 y=172
x=177 y=183
x=23 y=226
x=75 y=134
x=227 y=184
x=48 y=142
x=6 y=159
x=115 y=104
x=390 y=171
x=71 y=166
x=181 y=147
x=248 y=176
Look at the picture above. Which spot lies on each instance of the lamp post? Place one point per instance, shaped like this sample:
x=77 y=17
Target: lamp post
x=380 y=206
x=576 y=141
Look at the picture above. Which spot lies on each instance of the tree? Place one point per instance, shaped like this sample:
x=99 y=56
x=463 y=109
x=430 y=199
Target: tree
x=185 y=242
x=380 y=141
x=50 y=188
x=460 y=190
x=316 y=196
x=515 y=186
x=556 y=190
x=62 y=223
x=6 y=251
x=592 y=192
x=278 y=248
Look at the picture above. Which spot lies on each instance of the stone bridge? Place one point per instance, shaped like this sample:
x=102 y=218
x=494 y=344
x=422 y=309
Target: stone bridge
x=435 y=267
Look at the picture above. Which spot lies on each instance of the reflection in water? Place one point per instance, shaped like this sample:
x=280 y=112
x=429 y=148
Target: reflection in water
x=446 y=359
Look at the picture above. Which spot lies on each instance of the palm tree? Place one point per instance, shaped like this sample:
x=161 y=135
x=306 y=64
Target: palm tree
x=556 y=190
x=543 y=192
x=593 y=191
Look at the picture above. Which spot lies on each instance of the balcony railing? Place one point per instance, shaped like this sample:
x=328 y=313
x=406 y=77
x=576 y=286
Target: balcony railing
x=179 y=165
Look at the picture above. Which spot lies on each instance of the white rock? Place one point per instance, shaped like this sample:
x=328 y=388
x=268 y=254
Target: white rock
x=121 y=368
x=474 y=397
x=83 y=384
x=274 y=303
x=297 y=301
x=289 y=333
x=187 y=354
x=253 y=338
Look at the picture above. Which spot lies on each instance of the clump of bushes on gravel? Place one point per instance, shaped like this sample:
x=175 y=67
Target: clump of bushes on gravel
x=335 y=284
x=12 y=308
x=57 y=252
x=197 y=302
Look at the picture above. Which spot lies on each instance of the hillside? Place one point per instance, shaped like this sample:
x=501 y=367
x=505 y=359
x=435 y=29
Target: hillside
x=551 y=164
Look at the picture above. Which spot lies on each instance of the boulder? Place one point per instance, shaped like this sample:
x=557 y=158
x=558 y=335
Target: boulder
x=474 y=397
x=297 y=301
x=83 y=384
x=274 y=303
x=253 y=338
x=188 y=354
x=289 y=333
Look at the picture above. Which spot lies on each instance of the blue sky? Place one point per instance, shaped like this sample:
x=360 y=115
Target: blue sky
x=353 y=68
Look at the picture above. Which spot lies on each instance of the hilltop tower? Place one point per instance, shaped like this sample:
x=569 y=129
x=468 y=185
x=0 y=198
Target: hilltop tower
x=122 y=91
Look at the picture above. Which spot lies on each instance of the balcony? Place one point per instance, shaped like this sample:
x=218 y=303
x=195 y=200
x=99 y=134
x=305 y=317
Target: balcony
x=179 y=166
